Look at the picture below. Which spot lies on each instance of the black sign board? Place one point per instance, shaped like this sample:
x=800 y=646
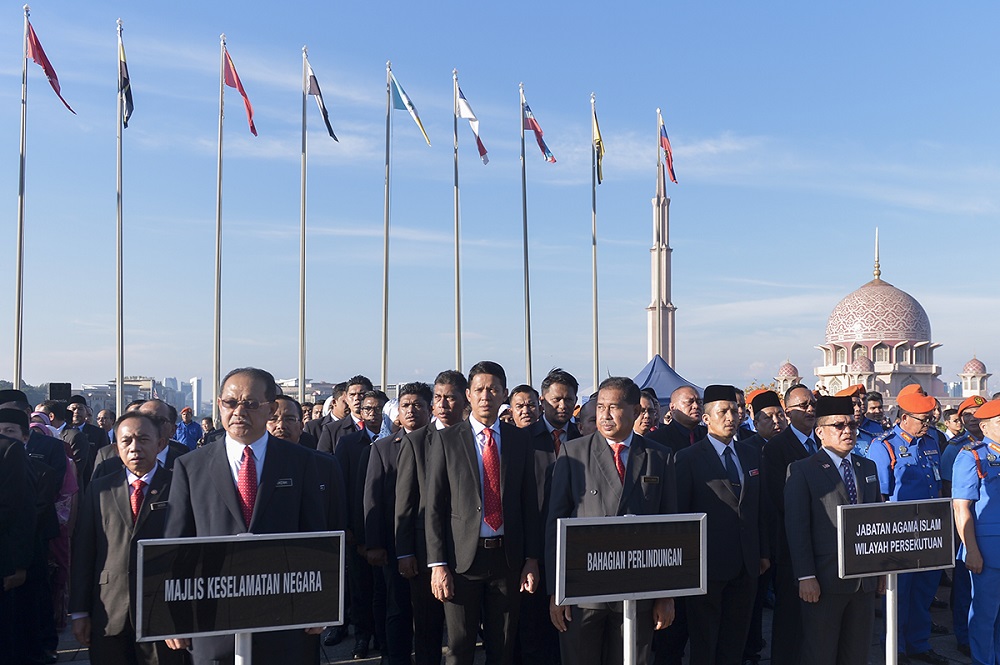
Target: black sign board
x=238 y=584
x=603 y=559
x=895 y=537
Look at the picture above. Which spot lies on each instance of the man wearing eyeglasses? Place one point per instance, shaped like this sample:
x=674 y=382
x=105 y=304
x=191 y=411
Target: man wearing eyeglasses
x=108 y=460
x=795 y=442
x=247 y=482
x=837 y=615
x=909 y=468
x=352 y=451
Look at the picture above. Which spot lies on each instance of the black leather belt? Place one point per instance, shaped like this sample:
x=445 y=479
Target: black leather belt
x=491 y=543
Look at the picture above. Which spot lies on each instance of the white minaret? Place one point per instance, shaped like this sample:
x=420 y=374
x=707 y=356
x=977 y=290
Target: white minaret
x=660 y=313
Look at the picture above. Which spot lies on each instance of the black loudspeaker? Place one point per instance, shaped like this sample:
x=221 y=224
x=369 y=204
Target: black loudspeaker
x=60 y=391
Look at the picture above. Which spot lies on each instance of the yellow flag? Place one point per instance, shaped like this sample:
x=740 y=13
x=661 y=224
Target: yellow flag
x=598 y=147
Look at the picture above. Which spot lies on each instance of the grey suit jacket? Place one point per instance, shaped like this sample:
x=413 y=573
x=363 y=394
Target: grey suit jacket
x=455 y=503
x=585 y=483
x=411 y=493
x=102 y=577
x=812 y=493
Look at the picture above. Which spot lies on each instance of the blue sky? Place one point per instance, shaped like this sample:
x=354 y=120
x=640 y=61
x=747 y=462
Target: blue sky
x=797 y=129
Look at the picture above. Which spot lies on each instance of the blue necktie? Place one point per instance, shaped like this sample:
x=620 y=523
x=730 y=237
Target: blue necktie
x=810 y=445
x=852 y=489
x=734 y=475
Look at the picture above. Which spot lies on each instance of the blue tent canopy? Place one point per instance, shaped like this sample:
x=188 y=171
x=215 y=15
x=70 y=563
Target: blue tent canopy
x=661 y=378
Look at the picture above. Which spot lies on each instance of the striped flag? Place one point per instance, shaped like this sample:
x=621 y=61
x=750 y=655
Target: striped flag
x=124 y=85
x=598 y=147
x=668 y=154
x=465 y=111
x=37 y=53
x=233 y=81
x=532 y=124
x=401 y=102
x=312 y=88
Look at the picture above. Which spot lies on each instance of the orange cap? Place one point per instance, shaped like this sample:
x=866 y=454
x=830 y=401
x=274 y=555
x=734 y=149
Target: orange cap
x=754 y=393
x=989 y=410
x=973 y=402
x=914 y=402
x=910 y=389
x=852 y=391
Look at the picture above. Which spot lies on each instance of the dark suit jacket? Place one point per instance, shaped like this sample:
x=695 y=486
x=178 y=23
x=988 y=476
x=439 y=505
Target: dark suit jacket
x=204 y=502
x=48 y=468
x=411 y=493
x=103 y=570
x=545 y=459
x=307 y=440
x=675 y=436
x=455 y=498
x=332 y=488
x=107 y=460
x=95 y=435
x=315 y=426
x=17 y=516
x=80 y=451
x=812 y=494
x=379 y=494
x=585 y=483
x=783 y=449
x=330 y=434
x=352 y=453
x=736 y=530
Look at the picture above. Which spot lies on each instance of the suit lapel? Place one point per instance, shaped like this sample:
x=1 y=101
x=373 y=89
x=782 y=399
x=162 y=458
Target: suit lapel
x=746 y=464
x=222 y=476
x=120 y=496
x=471 y=457
x=152 y=496
x=832 y=474
x=633 y=470
x=604 y=459
x=269 y=476
x=715 y=468
x=865 y=489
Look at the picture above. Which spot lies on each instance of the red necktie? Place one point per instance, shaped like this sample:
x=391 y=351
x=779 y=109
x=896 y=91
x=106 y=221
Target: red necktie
x=618 y=448
x=692 y=437
x=137 y=497
x=246 y=483
x=493 y=514
x=361 y=425
x=556 y=435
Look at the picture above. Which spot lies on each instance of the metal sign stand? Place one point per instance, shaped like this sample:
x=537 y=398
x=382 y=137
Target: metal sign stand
x=244 y=649
x=629 y=633
x=891 y=627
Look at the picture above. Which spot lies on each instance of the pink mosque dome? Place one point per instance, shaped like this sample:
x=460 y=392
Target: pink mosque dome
x=788 y=371
x=974 y=366
x=878 y=311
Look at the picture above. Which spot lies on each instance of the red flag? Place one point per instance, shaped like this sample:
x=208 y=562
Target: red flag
x=37 y=53
x=233 y=81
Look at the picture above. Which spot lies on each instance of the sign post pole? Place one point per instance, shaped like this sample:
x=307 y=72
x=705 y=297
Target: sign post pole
x=244 y=655
x=629 y=636
x=891 y=627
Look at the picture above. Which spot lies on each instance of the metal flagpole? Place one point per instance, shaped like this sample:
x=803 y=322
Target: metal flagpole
x=120 y=363
x=891 y=616
x=385 y=230
x=19 y=261
x=458 y=272
x=302 y=241
x=216 y=369
x=524 y=234
x=658 y=323
x=593 y=239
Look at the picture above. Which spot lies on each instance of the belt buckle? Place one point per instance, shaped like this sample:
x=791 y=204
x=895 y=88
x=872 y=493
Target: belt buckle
x=493 y=543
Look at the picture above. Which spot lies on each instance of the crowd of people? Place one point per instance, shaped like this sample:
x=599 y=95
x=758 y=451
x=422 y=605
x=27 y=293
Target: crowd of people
x=449 y=496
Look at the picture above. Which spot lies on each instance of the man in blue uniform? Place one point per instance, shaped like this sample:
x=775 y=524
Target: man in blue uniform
x=976 y=494
x=909 y=468
x=871 y=424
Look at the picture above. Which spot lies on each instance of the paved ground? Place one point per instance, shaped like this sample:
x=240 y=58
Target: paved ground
x=71 y=651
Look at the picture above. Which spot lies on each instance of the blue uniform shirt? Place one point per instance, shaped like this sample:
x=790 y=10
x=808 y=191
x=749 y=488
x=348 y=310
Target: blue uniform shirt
x=985 y=492
x=916 y=472
x=868 y=431
x=951 y=452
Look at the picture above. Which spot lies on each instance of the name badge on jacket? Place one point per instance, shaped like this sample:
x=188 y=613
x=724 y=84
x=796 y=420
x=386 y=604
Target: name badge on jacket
x=159 y=505
x=284 y=482
x=651 y=479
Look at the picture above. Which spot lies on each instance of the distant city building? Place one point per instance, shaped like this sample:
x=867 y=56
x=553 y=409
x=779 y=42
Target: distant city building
x=197 y=396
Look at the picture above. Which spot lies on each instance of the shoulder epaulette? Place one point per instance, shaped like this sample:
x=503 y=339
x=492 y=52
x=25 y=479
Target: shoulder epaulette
x=974 y=449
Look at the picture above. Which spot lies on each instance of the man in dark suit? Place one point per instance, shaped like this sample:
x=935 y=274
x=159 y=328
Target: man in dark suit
x=286 y=423
x=280 y=495
x=721 y=478
x=449 y=404
x=330 y=434
x=80 y=419
x=685 y=427
x=537 y=639
x=379 y=520
x=837 y=615
x=108 y=459
x=611 y=472
x=793 y=443
x=367 y=593
x=17 y=527
x=337 y=410
x=118 y=510
x=482 y=522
